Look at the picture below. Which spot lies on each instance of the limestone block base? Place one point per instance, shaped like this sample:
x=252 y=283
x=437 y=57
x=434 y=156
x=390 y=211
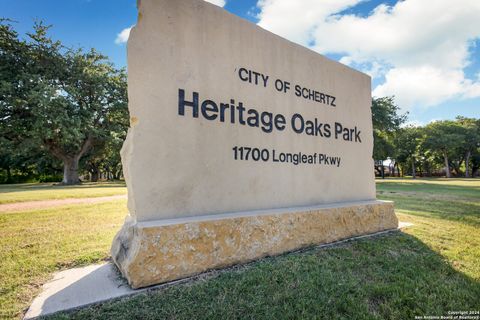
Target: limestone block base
x=153 y=252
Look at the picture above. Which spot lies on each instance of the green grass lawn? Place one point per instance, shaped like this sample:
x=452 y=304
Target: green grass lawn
x=10 y=193
x=34 y=244
x=430 y=269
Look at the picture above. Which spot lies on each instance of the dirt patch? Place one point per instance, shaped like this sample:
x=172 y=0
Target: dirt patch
x=42 y=204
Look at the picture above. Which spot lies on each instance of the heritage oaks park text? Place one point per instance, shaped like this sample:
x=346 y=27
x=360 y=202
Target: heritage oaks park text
x=267 y=121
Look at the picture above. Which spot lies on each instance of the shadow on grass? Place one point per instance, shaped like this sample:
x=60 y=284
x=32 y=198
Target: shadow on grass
x=395 y=276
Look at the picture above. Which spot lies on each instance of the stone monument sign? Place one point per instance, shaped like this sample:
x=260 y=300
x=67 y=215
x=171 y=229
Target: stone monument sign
x=242 y=145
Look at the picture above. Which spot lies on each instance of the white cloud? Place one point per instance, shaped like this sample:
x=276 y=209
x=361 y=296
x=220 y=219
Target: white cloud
x=219 y=3
x=296 y=20
x=412 y=123
x=422 y=85
x=419 y=47
x=122 y=37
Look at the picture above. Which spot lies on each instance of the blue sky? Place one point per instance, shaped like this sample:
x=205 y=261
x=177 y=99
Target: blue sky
x=425 y=53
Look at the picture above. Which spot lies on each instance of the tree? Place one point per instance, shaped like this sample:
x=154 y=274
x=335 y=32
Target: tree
x=62 y=99
x=406 y=146
x=386 y=121
x=385 y=115
x=444 y=137
x=471 y=141
x=105 y=156
x=382 y=148
x=475 y=162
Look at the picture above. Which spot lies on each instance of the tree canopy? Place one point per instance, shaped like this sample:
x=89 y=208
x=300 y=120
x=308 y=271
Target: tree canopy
x=66 y=108
x=449 y=145
x=386 y=121
x=61 y=100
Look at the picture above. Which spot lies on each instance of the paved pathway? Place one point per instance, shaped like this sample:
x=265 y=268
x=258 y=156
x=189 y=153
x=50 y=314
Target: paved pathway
x=42 y=204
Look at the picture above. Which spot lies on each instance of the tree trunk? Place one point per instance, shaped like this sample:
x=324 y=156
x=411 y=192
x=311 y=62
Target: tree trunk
x=94 y=174
x=474 y=170
x=413 y=168
x=116 y=176
x=9 y=175
x=70 y=171
x=428 y=169
x=447 y=166
x=70 y=163
x=455 y=166
x=467 y=164
x=383 y=171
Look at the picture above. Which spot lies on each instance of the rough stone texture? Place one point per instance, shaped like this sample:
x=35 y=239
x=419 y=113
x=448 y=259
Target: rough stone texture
x=160 y=251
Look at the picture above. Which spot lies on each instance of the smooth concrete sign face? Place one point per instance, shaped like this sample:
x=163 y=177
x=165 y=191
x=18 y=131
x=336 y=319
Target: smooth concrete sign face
x=228 y=117
x=230 y=121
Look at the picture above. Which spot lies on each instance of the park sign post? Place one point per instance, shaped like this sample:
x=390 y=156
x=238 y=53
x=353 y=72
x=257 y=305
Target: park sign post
x=242 y=145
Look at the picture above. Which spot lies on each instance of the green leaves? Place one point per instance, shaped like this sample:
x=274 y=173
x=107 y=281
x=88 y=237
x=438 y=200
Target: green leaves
x=386 y=121
x=443 y=135
x=59 y=98
x=406 y=143
x=385 y=115
x=442 y=144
